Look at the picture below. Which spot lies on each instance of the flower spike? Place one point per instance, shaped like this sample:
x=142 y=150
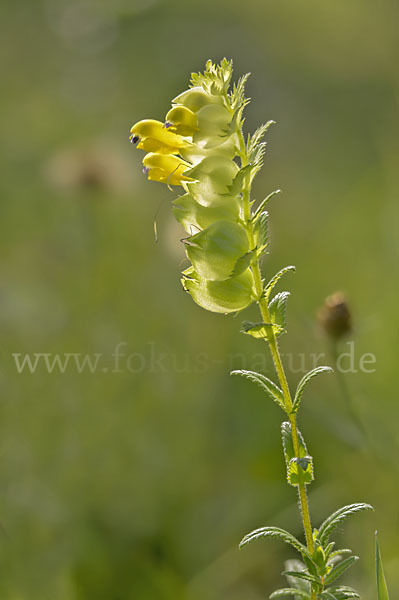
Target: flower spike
x=198 y=147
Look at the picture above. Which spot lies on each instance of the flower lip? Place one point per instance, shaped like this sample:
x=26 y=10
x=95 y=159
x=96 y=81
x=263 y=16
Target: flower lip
x=165 y=168
x=154 y=136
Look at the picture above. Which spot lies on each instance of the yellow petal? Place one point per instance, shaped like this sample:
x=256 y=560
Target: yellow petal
x=166 y=168
x=182 y=120
x=153 y=136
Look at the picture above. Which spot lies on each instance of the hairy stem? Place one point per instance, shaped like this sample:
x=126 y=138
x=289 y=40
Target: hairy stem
x=278 y=365
x=274 y=349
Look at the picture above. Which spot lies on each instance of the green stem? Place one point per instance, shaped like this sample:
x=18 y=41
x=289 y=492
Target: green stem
x=275 y=352
x=278 y=365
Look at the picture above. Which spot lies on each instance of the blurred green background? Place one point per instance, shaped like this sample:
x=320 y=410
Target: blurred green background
x=140 y=483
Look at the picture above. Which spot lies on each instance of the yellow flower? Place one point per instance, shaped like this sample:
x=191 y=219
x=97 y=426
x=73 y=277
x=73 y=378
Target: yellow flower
x=153 y=136
x=165 y=168
x=181 y=120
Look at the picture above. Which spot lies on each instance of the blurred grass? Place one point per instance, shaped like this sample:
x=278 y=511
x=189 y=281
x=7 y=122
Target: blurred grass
x=127 y=485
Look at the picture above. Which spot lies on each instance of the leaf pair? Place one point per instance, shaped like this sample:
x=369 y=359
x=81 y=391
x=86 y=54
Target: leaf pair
x=299 y=468
x=260 y=330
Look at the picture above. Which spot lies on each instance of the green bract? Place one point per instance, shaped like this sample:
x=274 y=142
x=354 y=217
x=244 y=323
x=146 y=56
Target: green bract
x=196 y=98
x=215 y=251
x=213 y=124
x=194 y=216
x=230 y=295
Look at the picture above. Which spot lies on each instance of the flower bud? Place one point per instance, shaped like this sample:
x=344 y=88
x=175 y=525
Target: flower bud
x=165 y=168
x=227 y=296
x=214 y=252
x=153 y=136
x=181 y=120
x=334 y=316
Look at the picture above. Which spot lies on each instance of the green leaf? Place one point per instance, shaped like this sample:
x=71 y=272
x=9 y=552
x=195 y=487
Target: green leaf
x=256 y=147
x=343 y=592
x=339 y=569
x=304 y=382
x=261 y=232
x=338 y=553
x=257 y=330
x=332 y=522
x=264 y=202
x=260 y=330
x=271 y=389
x=237 y=94
x=275 y=532
x=328 y=596
x=328 y=549
x=278 y=309
x=382 y=590
x=302 y=575
x=296 y=565
x=290 y=592
x=257 y=136
x=275 y=279
x=299 y=469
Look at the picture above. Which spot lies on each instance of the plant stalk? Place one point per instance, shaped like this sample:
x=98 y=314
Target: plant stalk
x=278 y=365
x=275 y=352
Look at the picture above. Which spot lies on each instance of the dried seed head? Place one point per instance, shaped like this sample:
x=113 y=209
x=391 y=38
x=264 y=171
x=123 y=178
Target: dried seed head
x=335 y=317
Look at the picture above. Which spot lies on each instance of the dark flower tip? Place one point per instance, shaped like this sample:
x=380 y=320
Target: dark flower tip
x=134 y=139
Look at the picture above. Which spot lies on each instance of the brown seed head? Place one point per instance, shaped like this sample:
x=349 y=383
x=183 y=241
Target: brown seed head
x=334 y=316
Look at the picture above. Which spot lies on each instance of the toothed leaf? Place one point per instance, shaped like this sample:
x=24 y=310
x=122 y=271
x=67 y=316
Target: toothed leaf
x=268 y=386
x=302 y=575
x=339 y=569
x=257 y=330
x=261 y=330
x=274 y=280
x=278 y=309
x=332 y=522
x=290 y=592
x=296 y=565
x=304 y=382
x=264 y=202
x=261 y=231
x=333 y=557
x=343 y=592
x=275 y=532
x=299 y=469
